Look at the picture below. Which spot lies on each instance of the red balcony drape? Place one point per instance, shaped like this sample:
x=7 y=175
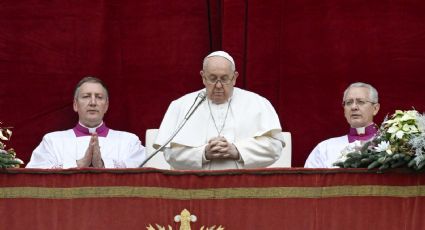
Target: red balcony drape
x=244 y=199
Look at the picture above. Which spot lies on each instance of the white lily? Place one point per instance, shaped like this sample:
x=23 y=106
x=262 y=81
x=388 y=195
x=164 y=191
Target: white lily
x=350 y=148
x=410 y=128
x=393 y=129
x=399 y=134
x=409 y=115
x=384 y=146
x=392 y=121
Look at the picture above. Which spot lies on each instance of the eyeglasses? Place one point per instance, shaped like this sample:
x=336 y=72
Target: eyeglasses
x=359 y=102
x=213 y=80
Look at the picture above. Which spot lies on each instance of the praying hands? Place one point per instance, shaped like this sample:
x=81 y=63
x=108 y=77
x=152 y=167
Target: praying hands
x=93 y=156
x=220 y=148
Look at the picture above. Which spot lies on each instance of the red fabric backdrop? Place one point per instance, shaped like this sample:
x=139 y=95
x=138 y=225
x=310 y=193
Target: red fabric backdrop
x=299 y=54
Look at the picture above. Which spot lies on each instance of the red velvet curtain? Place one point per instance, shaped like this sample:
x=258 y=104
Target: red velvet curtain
x=302 y=55
x=299 y=54
x=147 y=52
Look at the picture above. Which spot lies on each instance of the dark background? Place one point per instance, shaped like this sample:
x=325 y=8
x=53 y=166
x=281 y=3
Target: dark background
x=300 y=54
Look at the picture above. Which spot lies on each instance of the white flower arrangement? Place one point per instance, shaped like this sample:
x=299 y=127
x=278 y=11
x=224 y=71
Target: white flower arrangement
x=350 y=148
x=400 y=142
x=7 y=157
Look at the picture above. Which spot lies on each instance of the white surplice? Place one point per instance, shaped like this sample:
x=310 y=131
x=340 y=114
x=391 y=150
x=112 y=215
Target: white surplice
x=327 y=152
x=251 y=124
x=62 y=149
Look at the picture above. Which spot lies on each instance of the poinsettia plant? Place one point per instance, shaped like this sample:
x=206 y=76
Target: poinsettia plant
x=7 y=157
x=400 y=142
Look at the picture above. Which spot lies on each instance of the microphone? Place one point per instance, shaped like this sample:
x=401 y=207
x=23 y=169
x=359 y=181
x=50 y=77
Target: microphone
x=198 y=101
x=201 y=96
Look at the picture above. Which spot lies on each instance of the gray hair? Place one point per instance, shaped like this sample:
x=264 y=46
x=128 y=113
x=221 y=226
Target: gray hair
x=373 y=93
x=219 y=54
x=90 y=79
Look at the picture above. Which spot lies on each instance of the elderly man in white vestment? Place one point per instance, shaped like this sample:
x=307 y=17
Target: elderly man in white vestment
x=90 y=143
x=232 y=129
x=360 y=103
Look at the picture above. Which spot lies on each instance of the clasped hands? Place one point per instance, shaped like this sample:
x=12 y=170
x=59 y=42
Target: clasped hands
x=92 y=157
x=220 y=148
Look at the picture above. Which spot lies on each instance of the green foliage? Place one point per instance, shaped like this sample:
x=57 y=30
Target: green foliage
x=400 y=142
x=7 y=157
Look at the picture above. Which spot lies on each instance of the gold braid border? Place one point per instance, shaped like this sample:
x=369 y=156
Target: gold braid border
x=213 y=193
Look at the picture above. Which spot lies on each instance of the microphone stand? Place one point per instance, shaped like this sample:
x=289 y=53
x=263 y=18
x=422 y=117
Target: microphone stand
x=186 y=117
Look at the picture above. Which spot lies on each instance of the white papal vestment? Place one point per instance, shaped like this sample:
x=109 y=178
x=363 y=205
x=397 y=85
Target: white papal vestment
x=249 y=121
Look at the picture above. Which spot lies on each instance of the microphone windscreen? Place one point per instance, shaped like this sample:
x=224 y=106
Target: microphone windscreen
x=202 y=95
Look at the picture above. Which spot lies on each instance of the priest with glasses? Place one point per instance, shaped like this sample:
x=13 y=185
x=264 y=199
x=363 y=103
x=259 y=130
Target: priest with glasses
x=360 y=103
x=232 y=129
